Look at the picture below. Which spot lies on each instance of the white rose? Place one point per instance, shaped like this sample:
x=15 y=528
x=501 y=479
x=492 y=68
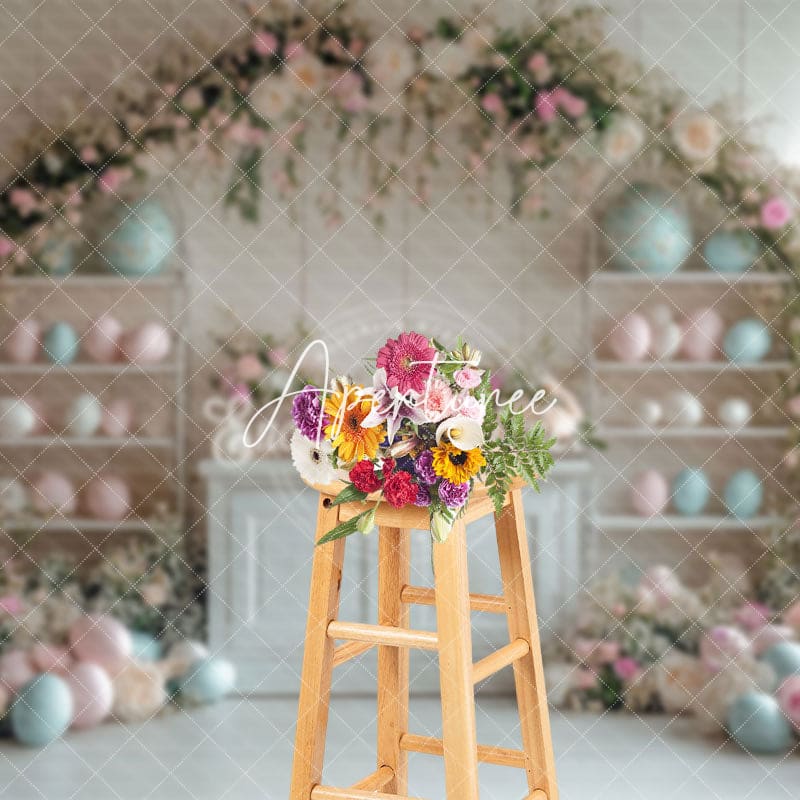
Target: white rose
x=309 y=72
x=697 y=136
x=273 y=97
x=390 y=63
x=476 y=41
x=446 y=59
x=623 y=140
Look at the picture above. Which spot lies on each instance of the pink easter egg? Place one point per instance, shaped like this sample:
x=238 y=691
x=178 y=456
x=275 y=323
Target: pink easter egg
x=117 y=418
x=23 y=343
x=630 y=339
x=769 y=635
x=789 y=699
x=649 y=493
x=92 y=694
x=102 y=340
x=702 y=334
x=15 y=670
x=108 y=498
x=147 y=344
x=720 y=645
x=52 y=492
x=102 y=640
x=49 y=658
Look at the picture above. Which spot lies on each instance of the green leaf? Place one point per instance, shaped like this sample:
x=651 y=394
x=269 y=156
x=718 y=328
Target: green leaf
x=348 y=495
x=344 y=528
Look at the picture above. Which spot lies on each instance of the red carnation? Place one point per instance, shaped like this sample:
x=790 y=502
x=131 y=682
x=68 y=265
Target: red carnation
x=388 y=467
x=364 y=478
x=399 y=489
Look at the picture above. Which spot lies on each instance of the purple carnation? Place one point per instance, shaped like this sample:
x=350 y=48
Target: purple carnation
x=307 y=412
x=423 y=466
x=453 y=495
x=423 y=497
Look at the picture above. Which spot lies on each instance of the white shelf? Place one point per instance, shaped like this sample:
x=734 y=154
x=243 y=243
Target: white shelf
x=87 y=441
x=78 y=368
x=691 y=366
x=77 y=524
x=88 y=280
x=700 y=432
x=677 y=522
x=693 y=278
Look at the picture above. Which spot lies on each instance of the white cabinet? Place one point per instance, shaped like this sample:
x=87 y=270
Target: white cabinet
x=261 y=520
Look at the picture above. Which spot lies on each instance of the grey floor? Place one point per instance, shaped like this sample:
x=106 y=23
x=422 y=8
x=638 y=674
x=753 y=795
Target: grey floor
x=241 y=749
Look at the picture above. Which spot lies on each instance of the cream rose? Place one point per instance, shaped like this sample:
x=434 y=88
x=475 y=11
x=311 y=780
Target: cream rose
x=623 y=139
x=697 y=136
x=274 y=97
x=390 y=63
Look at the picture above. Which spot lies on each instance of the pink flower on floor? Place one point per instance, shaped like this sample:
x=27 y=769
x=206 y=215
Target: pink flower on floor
x=752 y=616
x=7 y=247
x=569 y=103
x=545 y=107
x=249 y=367
x=408 y=361
x=626 y=668
x=23 y=200
x=468 y=377
x=265 y=43
x=585 y=649
x=584 y=679
x=775 y=213
x=10 y=604
x=789 y=699
x=492 y=103
x=538 y=62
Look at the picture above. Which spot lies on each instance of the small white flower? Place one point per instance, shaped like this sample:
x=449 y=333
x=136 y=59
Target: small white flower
x=312 y=462
x=446 y=59
x=624 y=138
x=476 y=41
x=390 y=63
x=697 y=136
x=309 y=72
x=274 y=97
x=463 y=432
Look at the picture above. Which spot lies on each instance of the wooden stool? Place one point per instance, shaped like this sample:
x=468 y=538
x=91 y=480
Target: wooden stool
x=453 y=642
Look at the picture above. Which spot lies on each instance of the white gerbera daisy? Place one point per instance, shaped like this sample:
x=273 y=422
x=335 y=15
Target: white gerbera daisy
x=312 y=462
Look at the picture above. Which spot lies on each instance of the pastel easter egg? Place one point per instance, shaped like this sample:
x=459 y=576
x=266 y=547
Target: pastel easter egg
x=690 y=491
x=743 y=494
x=24 y=342
x=51 y=492
x=107 y=497
x=758 y=725
x=56 y=256
x=784 y=658
x=649 y=412
x=37 y=406
x=92 y=694
x=49 y=657
x=13 y=496
x=16 y=417
x=768 y=635
x=101 y=343
x=720 y=645
x=185 y=653
x=208 y=680
x=731 y=251
x=15 y=670
x=649 y=493
x=747 y=342
x=117 y=418
x=630 y=339
x=83 y=416
x=788 y=697
x=702 y=334
x=147 y=344
x=682 y=408
x=61 y=343
x=42 y=712
x=145 y=647
x=102 y=640
x=734 y=412
x=140 y=241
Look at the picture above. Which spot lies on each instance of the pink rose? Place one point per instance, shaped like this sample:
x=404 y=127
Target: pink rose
x=775 y=213
x=492 y=103
x=23 y=200
x=295 y=50
x=468 y=377
x=584 y=648
x=607 y=651
x=265 y=43
x=470 y=407
x=569 y=103
x=437 y=401
x=89 y=154
x=279 y=356
x=7 y=247
x=249 y=367
x=10 y=604
x=112 y=178
x=241 y=393
x=626 y=668
x=584 y=679
x=538 y=62
x=789 y=699
x=545 y=107
x=752 y=616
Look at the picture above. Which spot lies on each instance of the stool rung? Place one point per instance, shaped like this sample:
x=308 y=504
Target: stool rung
x=345 y=652
x=332 y=793
x=375 y=782
x=418 y=595
x=501 y=658
x=383 y=634
x=430 y=745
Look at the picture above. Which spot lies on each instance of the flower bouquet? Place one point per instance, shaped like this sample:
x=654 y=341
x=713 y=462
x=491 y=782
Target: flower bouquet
x=423 y=434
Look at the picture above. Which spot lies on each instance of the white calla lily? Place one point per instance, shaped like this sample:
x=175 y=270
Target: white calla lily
x=462 y=432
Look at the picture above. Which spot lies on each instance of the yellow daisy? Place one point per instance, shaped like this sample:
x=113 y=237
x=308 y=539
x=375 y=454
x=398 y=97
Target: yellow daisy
x=346 y=411
x=457 y=466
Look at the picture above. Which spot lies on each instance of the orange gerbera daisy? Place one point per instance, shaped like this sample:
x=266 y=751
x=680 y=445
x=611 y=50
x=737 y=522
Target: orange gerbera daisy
x=346 y=410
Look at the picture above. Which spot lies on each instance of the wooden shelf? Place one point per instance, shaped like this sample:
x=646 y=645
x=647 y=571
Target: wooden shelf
x=87 y=441
x=700 y=432
x=692 y=278
x=710 y=522
x=78 y=368
x=692 y=366
x=76 y=524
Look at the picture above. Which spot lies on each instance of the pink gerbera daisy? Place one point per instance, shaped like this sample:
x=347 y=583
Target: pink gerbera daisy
x=408 y=361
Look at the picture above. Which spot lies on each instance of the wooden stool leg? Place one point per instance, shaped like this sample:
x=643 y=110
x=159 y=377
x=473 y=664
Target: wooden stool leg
x=515 y=568
x=312 y=713
x=394 y=551
x=455 y=666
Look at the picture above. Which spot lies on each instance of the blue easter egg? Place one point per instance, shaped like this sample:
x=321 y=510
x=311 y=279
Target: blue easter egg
x=784 y=658
x=756 y=722
x=141 y=241
x=56 y=257
x=208 y=680
x=648 y=230
x=732 y=251
x=747 y=342
x=690 y=491
x=743 y=494
x=61 y=343
x=42 y=711
x=145 y=647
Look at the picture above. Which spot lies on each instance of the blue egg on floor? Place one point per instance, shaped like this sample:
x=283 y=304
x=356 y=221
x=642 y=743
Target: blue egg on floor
x=690 y=491
x=731 y=251
x=756 y=722
x=747 y=342
x=784 y=658
x=208 y=680
x=42 y=711
x=743 y=494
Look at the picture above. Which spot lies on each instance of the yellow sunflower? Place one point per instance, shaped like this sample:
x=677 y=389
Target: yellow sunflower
x=457 y=466
x=346 y=411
